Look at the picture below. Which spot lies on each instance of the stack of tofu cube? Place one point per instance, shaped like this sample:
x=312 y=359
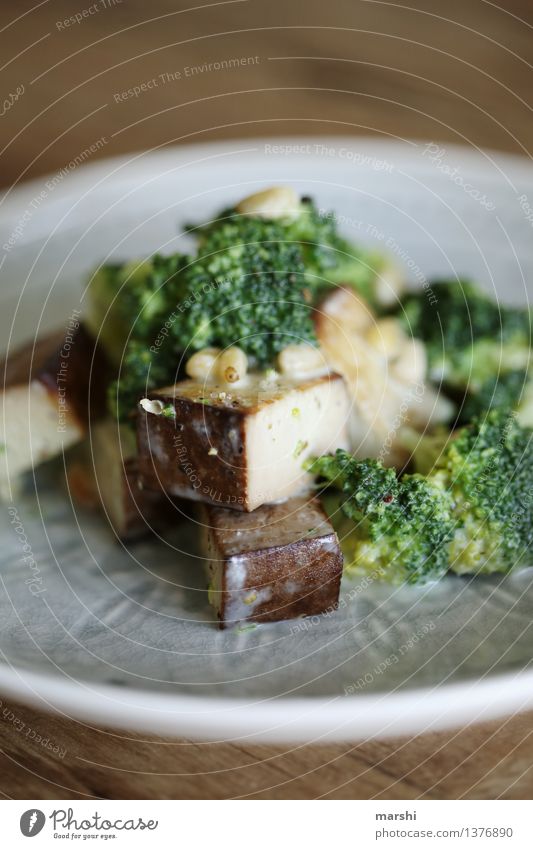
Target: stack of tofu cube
x=270 y=551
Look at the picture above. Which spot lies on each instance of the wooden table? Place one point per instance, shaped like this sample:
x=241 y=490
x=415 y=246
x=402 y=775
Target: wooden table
x=455 y=72
x=488 y=761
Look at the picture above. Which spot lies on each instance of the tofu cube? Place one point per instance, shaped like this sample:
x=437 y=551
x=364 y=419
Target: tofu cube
x=280 y=562
x=240 y=447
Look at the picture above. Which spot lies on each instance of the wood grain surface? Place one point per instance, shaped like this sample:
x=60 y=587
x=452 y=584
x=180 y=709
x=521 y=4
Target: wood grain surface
x=449 y=72
x=486 y=761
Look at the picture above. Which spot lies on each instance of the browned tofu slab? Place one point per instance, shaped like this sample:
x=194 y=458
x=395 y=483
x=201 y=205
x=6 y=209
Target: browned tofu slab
x=239 y=447
x=50 y=390
x=280 y=562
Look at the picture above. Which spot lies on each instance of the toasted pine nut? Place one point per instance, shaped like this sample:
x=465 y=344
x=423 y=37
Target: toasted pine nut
x=277 y=202
x=387 y=336
x=232 y=365
x=301 y=359
x=230 y=375
x=201 y=364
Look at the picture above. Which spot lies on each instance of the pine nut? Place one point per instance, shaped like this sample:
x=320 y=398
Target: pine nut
x=301 y=359
x=201 y=365
x=232 y=365
x=277 y=202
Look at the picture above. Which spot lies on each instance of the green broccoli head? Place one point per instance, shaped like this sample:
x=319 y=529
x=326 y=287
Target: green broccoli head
x=488 y=467
x=394 y=530
x=129 y=305
x=469 y=338
x=470 y=511
x=328 y=258
x=131 y=300
x=246 y=287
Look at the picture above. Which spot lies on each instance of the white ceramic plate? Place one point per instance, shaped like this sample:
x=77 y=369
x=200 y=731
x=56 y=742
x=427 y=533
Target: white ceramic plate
x=124 y=637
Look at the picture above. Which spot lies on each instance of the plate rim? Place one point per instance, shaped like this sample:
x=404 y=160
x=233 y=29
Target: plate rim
x=519 y=164
x=311 y=719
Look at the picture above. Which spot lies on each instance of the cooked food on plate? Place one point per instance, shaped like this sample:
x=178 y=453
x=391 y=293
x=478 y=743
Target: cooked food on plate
x=315 y=414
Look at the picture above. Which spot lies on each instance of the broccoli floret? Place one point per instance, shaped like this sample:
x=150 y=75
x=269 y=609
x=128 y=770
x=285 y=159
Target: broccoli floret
x=102 y=318
x=328 y=258
x=402 y=527
x=131 y=300
x=128 y=306
x=488 y=467
x=471 y=511
x=247 y=288
x=469 y=338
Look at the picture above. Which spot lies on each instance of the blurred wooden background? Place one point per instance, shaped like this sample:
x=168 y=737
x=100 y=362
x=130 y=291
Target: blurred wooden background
x=457 y=72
